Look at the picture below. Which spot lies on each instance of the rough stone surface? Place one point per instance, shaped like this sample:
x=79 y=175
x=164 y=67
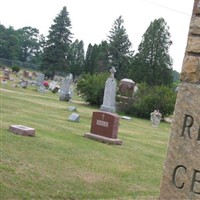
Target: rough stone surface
x=22 y=130
x=181 y=177
x=193 y=45
x=195 y=25
x=191 y=69
x=196 y=9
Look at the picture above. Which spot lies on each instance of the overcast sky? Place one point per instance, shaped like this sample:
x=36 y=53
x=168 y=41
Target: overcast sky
x=93 y=19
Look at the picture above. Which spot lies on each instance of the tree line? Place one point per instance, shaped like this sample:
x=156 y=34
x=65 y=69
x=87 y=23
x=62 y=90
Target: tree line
x=60 y=53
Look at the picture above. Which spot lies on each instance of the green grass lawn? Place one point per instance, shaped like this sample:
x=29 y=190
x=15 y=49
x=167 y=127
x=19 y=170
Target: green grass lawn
x=59 y=163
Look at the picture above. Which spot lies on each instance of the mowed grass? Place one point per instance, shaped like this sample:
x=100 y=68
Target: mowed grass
x=60 y=163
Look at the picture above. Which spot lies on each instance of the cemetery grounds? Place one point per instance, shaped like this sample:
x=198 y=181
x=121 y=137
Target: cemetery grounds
x=60 y=163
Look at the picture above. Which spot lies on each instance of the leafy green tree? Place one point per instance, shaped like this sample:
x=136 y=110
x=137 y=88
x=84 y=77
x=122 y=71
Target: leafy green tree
x=37 y=56
x=76 y=57
x=56 y=52
x=152 y=64
x=3 y=41
x=24 y=44
x=9 y=43
x=29 y=43
x=119 y=48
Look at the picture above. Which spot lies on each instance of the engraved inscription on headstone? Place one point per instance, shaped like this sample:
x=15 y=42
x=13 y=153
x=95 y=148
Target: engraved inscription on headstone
x=181 y=177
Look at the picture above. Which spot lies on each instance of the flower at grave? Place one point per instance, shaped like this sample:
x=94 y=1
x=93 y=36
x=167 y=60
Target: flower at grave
x=46 y=84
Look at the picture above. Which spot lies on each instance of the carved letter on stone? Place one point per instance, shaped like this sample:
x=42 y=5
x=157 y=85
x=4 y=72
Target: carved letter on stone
x=188 y=122
x=198 y=138
x=194 y=180
x=174 y=176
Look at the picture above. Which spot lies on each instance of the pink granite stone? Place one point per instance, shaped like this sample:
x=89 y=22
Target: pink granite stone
x=22 y=130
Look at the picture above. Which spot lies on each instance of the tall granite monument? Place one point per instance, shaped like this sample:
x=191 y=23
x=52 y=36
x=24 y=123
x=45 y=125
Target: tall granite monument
x=181 y=177
x=109 y=98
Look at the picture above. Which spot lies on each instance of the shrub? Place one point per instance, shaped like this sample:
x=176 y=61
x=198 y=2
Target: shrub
x=91 y=88
x=148 y=99
x=15 y=69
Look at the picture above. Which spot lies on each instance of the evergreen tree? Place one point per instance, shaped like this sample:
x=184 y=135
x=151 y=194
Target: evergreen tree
x=76 y=57
x=97 y=58
x=152 y=64
x=89 y=61
x=119 y=48
x=102 y=58
x=56 y=52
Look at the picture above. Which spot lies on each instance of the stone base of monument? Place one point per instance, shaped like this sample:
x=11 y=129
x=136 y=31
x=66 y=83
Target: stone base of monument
x=107 y=108
x=22 y=130
x=104 y=128
x=65 y=97
x=103 y=139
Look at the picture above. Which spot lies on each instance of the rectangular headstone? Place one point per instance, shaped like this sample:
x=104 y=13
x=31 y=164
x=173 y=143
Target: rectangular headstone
x=22 y=130
x=181 y=177
x=104 y=127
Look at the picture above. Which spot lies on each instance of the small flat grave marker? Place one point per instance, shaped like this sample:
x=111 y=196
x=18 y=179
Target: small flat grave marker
x=72 y=108
x=22 y=130
x=74 y=117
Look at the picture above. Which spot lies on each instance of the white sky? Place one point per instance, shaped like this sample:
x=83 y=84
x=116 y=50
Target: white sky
x=93 y=19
